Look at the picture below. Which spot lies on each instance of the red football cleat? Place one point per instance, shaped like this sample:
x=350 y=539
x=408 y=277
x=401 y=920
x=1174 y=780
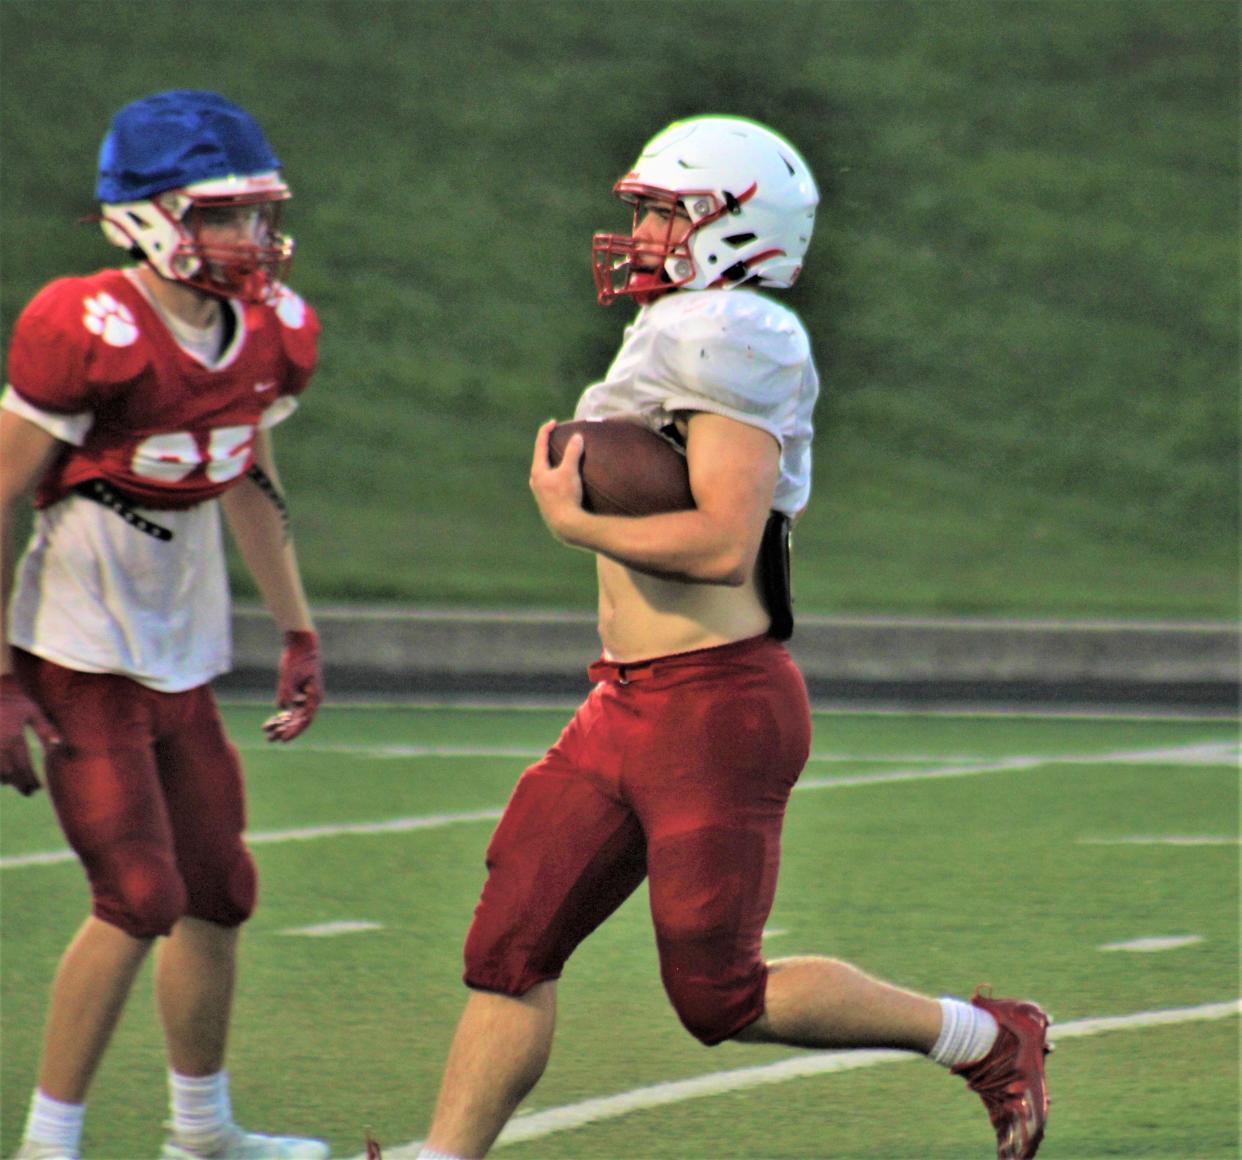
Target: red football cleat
x=1010 y=1078
x=373 y=1148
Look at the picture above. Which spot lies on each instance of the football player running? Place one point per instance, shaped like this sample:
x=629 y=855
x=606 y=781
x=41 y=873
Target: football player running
x=678 y=766
x=139 y=406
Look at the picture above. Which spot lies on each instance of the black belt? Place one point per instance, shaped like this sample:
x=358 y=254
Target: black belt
x=101 y=491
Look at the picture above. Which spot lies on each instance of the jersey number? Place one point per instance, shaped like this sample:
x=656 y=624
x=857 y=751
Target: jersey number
x=174 y=455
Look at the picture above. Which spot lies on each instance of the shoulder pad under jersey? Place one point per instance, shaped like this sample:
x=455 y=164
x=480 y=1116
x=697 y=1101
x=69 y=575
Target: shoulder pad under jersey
x=77 y=336
x=299 y=336
x=738 y=350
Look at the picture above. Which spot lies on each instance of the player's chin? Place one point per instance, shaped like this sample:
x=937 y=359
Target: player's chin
x=648 y=280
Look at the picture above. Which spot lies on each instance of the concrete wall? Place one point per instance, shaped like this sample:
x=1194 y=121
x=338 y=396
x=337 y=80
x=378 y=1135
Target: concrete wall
x=397 y=651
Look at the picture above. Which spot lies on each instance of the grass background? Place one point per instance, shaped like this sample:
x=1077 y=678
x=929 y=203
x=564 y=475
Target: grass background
x=336 y=1034
x=1023 y=298
x=1022 y=294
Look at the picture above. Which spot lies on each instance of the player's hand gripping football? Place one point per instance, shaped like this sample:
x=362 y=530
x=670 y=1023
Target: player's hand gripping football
x=557 y=490
x=299 y=689
x=17 y=712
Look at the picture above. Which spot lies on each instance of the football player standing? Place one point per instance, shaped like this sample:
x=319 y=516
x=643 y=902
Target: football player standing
x=678 y=766
x=139 y=406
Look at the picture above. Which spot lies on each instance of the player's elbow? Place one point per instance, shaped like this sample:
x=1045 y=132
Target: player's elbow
x=728 y=552
x=730 y=568
x=728 y=559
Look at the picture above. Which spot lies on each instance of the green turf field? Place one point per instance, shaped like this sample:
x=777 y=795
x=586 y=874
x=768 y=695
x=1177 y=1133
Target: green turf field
x=936 y=850
x=1022 y=293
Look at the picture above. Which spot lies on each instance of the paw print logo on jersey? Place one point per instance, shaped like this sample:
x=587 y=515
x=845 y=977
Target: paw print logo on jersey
x=290 y=309
x=110 y=319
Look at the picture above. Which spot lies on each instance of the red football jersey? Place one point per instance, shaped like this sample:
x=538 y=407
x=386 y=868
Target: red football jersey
x=167 y=431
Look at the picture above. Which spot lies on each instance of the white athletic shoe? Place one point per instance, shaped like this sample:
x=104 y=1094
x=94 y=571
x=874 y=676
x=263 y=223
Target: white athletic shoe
x=30 y=1150
x=242 y=1145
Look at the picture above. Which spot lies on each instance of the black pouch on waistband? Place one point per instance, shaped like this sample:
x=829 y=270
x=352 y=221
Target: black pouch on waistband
x=775 y=577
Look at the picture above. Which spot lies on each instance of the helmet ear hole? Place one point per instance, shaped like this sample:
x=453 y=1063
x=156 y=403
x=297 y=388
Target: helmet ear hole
x=139 y=229
x=118 y=237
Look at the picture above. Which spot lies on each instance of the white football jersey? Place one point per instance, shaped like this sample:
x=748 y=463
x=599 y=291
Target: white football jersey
x=96 y=595
x=735 y=353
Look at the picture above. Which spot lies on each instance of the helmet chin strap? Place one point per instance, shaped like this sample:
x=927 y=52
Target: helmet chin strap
x=647 y=285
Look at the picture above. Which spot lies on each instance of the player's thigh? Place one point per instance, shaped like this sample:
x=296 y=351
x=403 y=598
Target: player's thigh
x=201 y=774
x=723 y=762
x=102 y=780
x=202 y=779
x=563 y=858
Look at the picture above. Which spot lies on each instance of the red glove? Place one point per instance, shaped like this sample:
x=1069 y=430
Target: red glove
x=17 y=711
x=299 y=690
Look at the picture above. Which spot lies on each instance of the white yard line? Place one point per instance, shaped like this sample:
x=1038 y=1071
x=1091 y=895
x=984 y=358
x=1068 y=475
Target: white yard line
x=332 y=929
x=363 y=749
x=1154 y=944
x=1201 y=754
x=822 y=707
x=537 y=1125
x=1225 y=753
x=299 y=834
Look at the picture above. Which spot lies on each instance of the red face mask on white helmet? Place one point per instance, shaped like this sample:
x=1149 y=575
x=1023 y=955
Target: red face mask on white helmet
x=750 y=198
x=178 y=233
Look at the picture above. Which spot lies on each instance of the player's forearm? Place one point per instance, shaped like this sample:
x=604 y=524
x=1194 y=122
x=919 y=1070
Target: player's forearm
x=259 y=531
x=25 y=452
x=279 y=581
x=6 y=585
x=692 y=546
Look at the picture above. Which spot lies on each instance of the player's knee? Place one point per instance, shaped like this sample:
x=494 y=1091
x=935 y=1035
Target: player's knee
x=715 y=1004
x=143 y=895
x=714 y=979
x=499 y=966
x=227 y=893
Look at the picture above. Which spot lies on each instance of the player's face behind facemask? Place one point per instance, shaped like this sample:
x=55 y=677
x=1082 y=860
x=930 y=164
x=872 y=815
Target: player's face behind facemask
x=653 y=258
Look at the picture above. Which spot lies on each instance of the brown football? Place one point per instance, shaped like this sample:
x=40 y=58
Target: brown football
x=627 y=470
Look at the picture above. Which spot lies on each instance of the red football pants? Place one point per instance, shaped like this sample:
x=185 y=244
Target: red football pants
x=677 y=770
x=148 y=790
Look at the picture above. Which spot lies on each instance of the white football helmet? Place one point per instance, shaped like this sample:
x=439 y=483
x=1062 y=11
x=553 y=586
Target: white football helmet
x=176 y=164
x=751 y=202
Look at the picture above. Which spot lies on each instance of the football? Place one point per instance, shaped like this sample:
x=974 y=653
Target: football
x=627 y=470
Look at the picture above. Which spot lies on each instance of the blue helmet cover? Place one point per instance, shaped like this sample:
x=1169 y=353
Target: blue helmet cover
x=173 y=139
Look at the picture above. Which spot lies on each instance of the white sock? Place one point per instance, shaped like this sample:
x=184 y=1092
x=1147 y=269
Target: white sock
x=53 y=1122
x=966 y=1035
x=432 y=1154
x=201 y=1110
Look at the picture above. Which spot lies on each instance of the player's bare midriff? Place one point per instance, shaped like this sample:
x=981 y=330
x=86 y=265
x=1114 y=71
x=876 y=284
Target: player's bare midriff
x=642 y=616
